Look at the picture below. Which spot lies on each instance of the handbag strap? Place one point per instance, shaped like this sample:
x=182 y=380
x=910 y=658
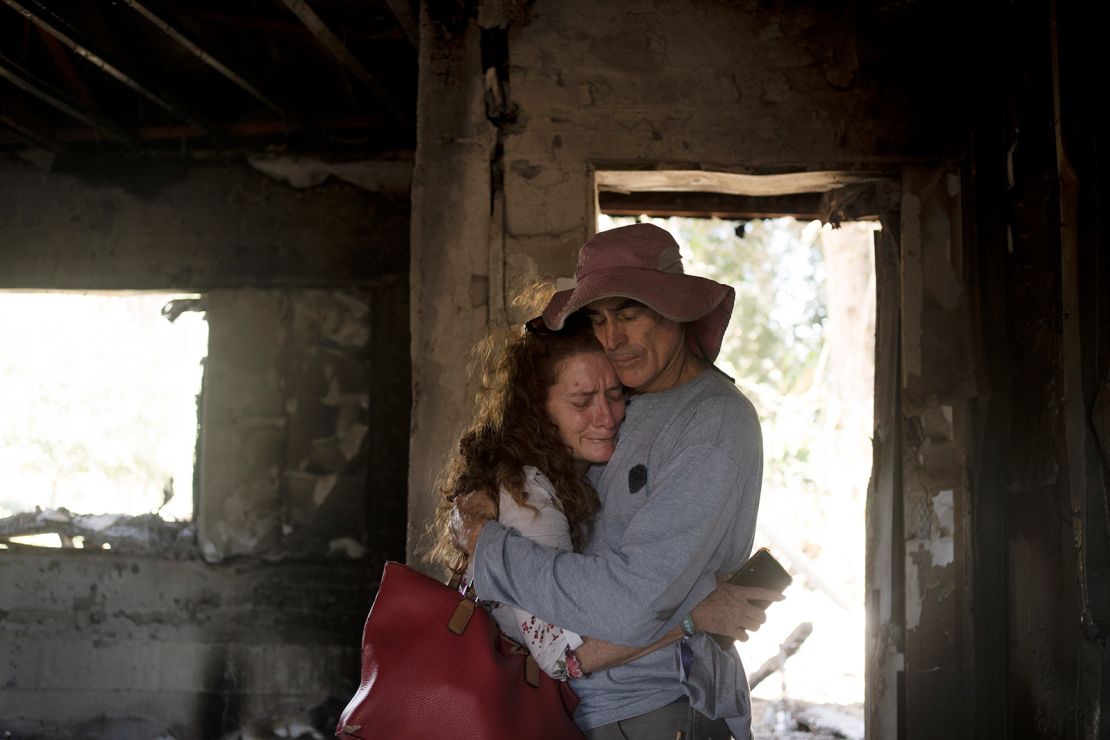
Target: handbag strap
x=461 y=617
x=465 y=610
x=458 y=572
x=531 y=667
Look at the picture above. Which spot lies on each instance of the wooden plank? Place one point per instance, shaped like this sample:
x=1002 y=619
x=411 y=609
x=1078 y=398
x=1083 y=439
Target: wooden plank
x=406 y=17
x=719 y=205
x=331 y=42
x=631 y=181
x=245 y=128
x=885 y=608
x=202 y=55
x=102 y=64
x=282 y=26
x=30 y=135
x=65 y=66
x=25 y=81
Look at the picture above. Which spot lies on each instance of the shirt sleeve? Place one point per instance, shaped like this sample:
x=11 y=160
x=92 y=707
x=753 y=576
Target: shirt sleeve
x=547 y=643
x=545 y=525
x=665 y=562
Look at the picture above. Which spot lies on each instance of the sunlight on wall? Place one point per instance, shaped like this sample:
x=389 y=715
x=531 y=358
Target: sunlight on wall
x=99 y=394
x=801 y=346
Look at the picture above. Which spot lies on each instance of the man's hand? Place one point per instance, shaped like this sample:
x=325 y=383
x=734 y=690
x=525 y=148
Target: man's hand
x=729 y=610
x=469 y=515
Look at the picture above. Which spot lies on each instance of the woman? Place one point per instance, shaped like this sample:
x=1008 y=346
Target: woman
x=549 y=406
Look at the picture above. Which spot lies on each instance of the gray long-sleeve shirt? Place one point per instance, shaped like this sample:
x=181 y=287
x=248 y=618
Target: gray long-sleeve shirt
x=679 y=502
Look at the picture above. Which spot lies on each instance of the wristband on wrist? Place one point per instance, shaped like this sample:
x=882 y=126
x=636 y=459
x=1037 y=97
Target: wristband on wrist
x=688 y=625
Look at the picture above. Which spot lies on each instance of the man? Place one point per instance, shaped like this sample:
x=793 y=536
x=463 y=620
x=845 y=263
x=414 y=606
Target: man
x=679 y=500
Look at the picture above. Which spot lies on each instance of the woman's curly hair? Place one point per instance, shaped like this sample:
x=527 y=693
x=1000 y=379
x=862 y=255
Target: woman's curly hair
x=511 y=428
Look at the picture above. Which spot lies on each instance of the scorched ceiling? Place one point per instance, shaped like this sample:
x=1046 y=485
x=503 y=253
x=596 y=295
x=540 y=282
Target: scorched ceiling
x=180 y=75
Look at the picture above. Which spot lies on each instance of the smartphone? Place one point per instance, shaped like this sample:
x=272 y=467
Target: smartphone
x=762 y=570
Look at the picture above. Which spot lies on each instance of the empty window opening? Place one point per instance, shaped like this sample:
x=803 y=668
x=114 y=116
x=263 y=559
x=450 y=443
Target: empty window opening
x=99 y=395
x=800 y=345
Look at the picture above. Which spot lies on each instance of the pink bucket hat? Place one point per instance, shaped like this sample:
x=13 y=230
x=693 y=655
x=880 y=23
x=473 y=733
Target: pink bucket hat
x=642 y=262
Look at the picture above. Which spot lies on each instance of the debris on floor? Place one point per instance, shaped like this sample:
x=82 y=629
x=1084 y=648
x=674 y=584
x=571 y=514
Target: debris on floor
x=147 y=534
x=799 y=720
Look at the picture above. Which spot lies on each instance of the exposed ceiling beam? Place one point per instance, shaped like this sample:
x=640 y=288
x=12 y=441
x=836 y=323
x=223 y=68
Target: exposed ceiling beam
x=28 y=83
x=68 y=71
x=331 y=42
x=274 y=25
x=32 y=137
x=407 y=18
x=719 y=205
x=633 y=181
x=202 y=55
x=246 y=128
x=102 y=64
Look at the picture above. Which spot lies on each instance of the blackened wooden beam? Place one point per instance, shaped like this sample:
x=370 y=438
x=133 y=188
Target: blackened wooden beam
x=331 y=42
x=202 y=55
x=28 y=83
x=69 y=72
x=407 y=19
x=102 y=64
x=30 y=134
x=239 y=129
x=703 y=205
x=294 y=27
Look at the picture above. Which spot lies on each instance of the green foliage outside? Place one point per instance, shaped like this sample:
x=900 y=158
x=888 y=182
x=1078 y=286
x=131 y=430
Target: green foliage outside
x=800 y=345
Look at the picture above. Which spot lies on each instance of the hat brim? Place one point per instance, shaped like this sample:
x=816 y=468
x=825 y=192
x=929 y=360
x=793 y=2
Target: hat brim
x=689 y=299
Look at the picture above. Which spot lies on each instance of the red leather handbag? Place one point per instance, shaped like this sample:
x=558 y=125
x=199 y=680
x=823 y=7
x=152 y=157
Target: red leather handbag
x=436 y=666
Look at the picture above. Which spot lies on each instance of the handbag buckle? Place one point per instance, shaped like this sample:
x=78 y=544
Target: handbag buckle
x=461 y=617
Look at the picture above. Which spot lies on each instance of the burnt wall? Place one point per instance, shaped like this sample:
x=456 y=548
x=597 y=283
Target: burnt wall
x=254 y=624
x=95 y=223
x=97 y=645
x=1037 y=168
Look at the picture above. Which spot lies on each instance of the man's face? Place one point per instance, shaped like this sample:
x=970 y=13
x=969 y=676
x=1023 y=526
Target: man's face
x=646 y=350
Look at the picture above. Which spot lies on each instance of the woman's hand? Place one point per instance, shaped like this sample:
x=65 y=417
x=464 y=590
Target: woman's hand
x=467 y=518
x=729 y=610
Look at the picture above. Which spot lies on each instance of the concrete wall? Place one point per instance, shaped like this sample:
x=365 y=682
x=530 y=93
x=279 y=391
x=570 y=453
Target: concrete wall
x=1042 y=474
x=104 y=646
x=301 y=460
x=103 y=224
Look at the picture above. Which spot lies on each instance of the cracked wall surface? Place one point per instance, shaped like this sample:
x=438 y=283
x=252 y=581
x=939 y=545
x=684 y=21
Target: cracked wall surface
x=112 y=646
x=284 y=442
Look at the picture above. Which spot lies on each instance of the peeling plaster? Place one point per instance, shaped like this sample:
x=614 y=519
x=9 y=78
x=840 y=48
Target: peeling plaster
x=388 y=178
x=923 y=554
x=942 y=547
x=351 y=443
x=331 y=398
x=324 y=486
x=353 y=332
x=913 y=588
x=936 y=423
x=346 y=546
